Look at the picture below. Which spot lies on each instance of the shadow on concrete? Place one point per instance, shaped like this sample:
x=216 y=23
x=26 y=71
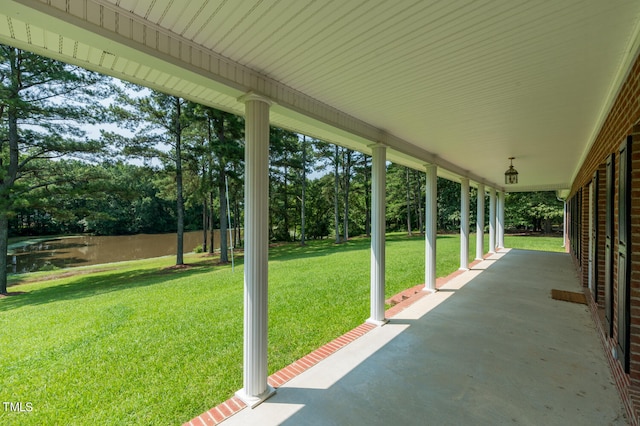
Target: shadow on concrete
x=497 y=350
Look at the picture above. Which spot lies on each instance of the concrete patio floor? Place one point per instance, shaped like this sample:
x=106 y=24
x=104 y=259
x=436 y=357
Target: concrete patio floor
x=491 y=347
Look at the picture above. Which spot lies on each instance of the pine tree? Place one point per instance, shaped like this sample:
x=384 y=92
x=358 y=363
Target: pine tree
x=42 y=104
x=160 y=121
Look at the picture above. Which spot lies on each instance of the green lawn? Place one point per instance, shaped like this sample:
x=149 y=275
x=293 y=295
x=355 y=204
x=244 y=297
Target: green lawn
x=135 y=343
x=534 y=243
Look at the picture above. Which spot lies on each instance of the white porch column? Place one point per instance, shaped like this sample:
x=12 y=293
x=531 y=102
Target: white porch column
x=378 y=228
x=501 y=220
x=492 y=220
x=430 y=227
x=480 y=223
x=464 y=223
x=565 y=222
x=256 y=250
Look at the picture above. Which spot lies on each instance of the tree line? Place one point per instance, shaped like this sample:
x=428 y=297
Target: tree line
x=161 y=163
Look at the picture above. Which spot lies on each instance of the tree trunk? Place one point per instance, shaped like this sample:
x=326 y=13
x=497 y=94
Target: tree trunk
x=336 y=177
x=419 y=209
x=210 y=180
x=211 y=229
x=180 y=215
x=205 y=216
x=224 y=247
x=347 y=182
x=4 y=242
x=236 y=213
x=304 y=190
x=179 y=199
x=419 y=197
x=408 y=203
x=285 y=193
x=367 y=197
x=7 y=181
x=222 y=191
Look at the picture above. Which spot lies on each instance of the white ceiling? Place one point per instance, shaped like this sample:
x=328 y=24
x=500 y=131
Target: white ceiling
x=461 y=83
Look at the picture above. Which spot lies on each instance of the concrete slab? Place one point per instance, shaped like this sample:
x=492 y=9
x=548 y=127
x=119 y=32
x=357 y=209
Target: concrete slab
x=491 y=347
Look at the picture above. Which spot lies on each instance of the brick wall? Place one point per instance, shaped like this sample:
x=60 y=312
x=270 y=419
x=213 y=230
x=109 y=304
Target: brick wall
x=584 y=237
x=614 y=247
x=621 y=121
x=634 y=254
x=601 y=201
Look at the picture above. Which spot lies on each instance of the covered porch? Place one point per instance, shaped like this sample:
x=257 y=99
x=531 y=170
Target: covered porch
x=490 y=347
x=453 y=89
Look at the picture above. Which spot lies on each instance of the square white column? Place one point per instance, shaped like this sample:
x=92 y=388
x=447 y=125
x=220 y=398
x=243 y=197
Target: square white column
x=480 y=223
x=464 y=223
x=256 y=250
x=501 y=220
x=378 y=229
x=430 y=224
x=492 y=220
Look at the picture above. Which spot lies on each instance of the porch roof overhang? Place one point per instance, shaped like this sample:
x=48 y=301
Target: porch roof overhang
x=462 y=84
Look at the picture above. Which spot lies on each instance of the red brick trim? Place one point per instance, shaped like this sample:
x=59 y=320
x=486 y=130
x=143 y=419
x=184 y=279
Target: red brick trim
x=219 y=413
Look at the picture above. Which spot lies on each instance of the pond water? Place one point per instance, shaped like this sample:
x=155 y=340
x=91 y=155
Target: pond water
x=91 y=250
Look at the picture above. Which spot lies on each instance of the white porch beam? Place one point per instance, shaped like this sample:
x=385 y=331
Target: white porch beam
x=430 y=225
x=480 y=223
x=464 y=223
x=256 y=250
x=378 y=228
x=501 y=220
x=492 y=220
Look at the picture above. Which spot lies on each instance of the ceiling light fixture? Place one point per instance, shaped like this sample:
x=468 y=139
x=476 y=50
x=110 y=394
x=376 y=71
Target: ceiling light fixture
x=511 y=175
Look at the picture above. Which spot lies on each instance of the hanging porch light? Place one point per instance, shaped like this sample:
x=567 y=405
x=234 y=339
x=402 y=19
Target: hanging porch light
x=511 y=175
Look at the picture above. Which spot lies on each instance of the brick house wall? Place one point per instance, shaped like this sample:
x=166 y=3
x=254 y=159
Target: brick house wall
x=615 y=250
x=634 y=253
x=601 y=201
x=584 y=238
x=623 y=120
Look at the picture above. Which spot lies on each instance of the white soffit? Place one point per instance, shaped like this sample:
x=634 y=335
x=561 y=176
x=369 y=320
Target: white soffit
x=462 y=83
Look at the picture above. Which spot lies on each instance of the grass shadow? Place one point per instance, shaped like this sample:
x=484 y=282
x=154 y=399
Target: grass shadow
x=93 y=283
x=86 y=286
x=315 y=248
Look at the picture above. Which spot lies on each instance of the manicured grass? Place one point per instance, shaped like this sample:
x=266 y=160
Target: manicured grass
x=136 y=343
x=534 y=243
